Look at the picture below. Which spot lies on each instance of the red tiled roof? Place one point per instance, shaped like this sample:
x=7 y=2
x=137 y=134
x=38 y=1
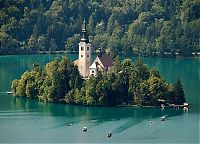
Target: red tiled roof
x=106 y=60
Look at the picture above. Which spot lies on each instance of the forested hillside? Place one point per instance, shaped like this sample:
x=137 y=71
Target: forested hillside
x=126 y=27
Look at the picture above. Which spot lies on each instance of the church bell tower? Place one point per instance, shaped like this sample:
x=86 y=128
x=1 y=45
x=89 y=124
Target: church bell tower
x=84 y=53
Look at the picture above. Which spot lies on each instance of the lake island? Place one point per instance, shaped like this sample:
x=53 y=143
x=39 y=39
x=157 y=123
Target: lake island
x=103 y=82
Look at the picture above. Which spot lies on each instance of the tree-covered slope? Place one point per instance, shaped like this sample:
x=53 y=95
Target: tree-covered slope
x=124 y=27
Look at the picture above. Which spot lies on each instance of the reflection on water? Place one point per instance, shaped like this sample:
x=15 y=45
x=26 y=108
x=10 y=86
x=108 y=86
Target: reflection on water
x=92 y=115
x=17 y=113
x=96 y=113
x=126 y=125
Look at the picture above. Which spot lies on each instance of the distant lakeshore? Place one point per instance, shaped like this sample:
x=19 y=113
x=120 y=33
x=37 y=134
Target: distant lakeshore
x=165 y=55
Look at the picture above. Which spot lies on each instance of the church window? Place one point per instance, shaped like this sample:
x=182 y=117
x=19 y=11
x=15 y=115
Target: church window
x=92 y=71
x=88 y=48
x=82 y=48
x=81 y=55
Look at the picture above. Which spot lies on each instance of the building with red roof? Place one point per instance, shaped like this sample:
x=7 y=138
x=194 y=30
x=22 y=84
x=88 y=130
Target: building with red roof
x=86 y=67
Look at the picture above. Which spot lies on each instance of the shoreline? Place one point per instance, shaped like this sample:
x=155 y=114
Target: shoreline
x=42 y=53
x=172 y=106
x=76 y=52
x=149 y=106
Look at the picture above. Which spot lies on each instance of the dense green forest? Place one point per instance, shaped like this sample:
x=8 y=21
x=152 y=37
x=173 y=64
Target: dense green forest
x=120 y=27
x=127 y=84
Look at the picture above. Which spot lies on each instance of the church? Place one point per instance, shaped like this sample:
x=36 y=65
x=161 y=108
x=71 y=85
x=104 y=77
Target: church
x=86 y=66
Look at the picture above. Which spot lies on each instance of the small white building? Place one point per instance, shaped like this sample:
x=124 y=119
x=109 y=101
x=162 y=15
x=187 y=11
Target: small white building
x=86 y=67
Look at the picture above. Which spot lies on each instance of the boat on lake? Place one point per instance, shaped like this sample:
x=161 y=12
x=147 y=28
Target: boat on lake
x=84 y=129
x=9 y=92
x=69 y=124
x=109 y=134
x=163 y=118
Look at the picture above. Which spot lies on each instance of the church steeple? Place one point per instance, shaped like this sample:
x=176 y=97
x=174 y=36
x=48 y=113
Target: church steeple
x=84 y=33
x=84 y=25
x=84 y=53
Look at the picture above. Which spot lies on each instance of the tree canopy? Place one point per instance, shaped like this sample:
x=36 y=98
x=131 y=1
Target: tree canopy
x=50 y=83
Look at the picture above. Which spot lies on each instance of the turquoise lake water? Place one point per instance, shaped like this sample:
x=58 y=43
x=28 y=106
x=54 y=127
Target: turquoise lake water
x=28 y=121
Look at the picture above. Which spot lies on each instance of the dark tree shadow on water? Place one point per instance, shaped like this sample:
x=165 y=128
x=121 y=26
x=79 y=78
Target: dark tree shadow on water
x=125 y=126
x=94 y=116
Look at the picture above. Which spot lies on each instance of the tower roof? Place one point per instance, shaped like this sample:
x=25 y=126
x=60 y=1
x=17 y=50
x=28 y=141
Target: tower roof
x=84 y=37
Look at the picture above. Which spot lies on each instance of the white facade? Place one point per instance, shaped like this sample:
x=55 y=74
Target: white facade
x=93 y=69
x=84 y=58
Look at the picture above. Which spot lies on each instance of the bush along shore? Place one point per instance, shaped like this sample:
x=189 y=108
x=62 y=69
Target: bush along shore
x=126 y=84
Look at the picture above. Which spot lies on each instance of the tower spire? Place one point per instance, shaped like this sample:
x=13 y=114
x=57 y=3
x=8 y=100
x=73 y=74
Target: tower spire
x=84 y=25
x=84 y=33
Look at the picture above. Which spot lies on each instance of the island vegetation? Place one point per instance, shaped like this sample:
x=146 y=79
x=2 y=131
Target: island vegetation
x=120 y=27
x=127 y=83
